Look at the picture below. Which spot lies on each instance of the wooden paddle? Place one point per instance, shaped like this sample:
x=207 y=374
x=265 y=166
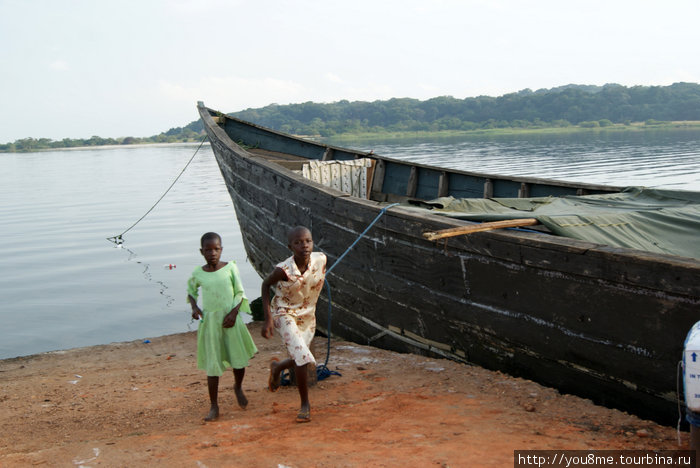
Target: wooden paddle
x=458 y=231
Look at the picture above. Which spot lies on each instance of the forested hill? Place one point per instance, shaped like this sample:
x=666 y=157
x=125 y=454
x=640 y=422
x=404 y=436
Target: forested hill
x=571 y=105
x=567 y=105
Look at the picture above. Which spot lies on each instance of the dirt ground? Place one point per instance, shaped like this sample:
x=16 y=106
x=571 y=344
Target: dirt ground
x=142 y=404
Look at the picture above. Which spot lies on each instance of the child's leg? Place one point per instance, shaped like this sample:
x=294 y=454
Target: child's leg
x=238 y=375
x=213 y=384
x=276 y=368
x=296 y=341
x=302 y=383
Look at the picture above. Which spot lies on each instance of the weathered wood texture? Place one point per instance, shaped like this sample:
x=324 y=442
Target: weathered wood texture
x=603 y=323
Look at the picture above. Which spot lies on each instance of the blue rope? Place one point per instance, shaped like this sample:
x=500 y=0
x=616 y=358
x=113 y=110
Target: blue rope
x=381 y=213
x=322 y=370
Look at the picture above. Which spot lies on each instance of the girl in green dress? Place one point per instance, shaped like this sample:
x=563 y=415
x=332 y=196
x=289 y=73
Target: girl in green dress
x=223 y=339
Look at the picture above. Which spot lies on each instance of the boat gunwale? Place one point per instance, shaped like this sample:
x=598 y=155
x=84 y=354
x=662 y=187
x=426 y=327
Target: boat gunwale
x=372 y=155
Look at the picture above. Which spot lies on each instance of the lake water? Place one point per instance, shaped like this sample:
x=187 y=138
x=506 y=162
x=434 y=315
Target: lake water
x=64 y=285
x=662 y=159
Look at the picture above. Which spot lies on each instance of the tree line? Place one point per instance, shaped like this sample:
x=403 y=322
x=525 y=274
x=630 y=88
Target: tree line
x=580 y=105
x=572 y=105
x=174 y=135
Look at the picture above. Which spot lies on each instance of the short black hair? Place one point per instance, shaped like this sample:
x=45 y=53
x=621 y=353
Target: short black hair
x=209 y=236
x=295 y=230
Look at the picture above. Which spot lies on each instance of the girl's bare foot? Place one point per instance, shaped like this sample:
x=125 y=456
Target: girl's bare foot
x=213 y=414
x=241 y=398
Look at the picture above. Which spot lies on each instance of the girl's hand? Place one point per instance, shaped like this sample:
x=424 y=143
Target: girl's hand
x=268 y=329
x=196 y=313
x=230 y=319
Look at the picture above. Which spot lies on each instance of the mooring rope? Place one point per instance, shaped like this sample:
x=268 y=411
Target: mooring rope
x=118 y=239
x=322 y=370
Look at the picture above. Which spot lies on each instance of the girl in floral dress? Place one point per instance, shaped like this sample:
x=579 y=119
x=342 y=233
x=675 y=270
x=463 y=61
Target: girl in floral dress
x=292 y=312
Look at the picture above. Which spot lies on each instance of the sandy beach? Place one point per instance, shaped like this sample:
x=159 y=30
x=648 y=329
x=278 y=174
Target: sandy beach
x=142 y=404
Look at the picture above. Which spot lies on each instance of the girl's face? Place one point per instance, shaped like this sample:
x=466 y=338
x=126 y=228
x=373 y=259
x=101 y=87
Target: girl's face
x=301 y=244
x=211 y=250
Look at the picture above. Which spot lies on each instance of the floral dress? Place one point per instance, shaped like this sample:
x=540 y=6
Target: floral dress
x=219 y=347
x=293 y=308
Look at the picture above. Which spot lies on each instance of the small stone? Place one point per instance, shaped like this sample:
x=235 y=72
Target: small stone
x=529 y=407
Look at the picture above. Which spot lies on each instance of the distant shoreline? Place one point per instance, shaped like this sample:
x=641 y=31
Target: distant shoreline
x=134 y=145
x=634 y=127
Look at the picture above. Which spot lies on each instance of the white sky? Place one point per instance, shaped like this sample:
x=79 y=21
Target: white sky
x=138 y=67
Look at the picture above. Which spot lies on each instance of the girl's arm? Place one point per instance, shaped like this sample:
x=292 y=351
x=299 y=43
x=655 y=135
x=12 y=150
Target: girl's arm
x=196 y=311
x=192 y=295
x=230 y=319
x=277 y=275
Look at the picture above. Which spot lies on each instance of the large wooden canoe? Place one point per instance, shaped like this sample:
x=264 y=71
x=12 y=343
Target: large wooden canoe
x=600 y=322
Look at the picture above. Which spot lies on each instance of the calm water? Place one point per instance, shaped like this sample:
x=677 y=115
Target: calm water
x=668 y=159
x=64 y=285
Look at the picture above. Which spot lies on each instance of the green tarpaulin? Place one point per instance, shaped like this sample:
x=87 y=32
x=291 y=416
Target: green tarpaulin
x=661 y=221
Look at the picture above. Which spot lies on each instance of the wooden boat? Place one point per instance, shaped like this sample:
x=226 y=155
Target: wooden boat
x=592 y=320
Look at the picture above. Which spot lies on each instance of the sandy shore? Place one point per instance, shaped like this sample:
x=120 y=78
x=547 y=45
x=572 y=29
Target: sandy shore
x=141 y=404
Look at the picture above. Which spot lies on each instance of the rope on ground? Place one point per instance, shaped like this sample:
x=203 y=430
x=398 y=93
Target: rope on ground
x=118 y=239
x=322 y=370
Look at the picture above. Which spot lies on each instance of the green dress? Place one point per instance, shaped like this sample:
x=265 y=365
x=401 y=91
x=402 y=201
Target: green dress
x=219 y=347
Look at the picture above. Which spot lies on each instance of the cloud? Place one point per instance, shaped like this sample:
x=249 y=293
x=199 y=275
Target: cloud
x=333 y=78
x=188 y=8
x=233 y=92
x=237 y=93
x=59 y=65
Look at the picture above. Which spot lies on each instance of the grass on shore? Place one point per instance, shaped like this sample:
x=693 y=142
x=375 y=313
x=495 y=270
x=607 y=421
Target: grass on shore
x=494 y=132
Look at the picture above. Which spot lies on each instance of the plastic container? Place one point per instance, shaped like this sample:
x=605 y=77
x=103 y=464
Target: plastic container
x=691 y=369
x=691 y=386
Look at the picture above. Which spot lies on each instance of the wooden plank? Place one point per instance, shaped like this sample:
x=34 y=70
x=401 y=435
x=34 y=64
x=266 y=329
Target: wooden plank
x=458 y=231
x=524 y=191
x=370 y=178
x=378 y=178
x=488 y=188
x=328 y=155
x=291 y=165
x=412 y=184
x=443 y=185
x=275 y=155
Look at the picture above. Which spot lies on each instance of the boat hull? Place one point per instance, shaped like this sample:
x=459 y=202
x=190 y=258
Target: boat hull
x=603 y=323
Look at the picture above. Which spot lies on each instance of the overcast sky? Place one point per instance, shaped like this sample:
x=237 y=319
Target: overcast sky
x=137 y=67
